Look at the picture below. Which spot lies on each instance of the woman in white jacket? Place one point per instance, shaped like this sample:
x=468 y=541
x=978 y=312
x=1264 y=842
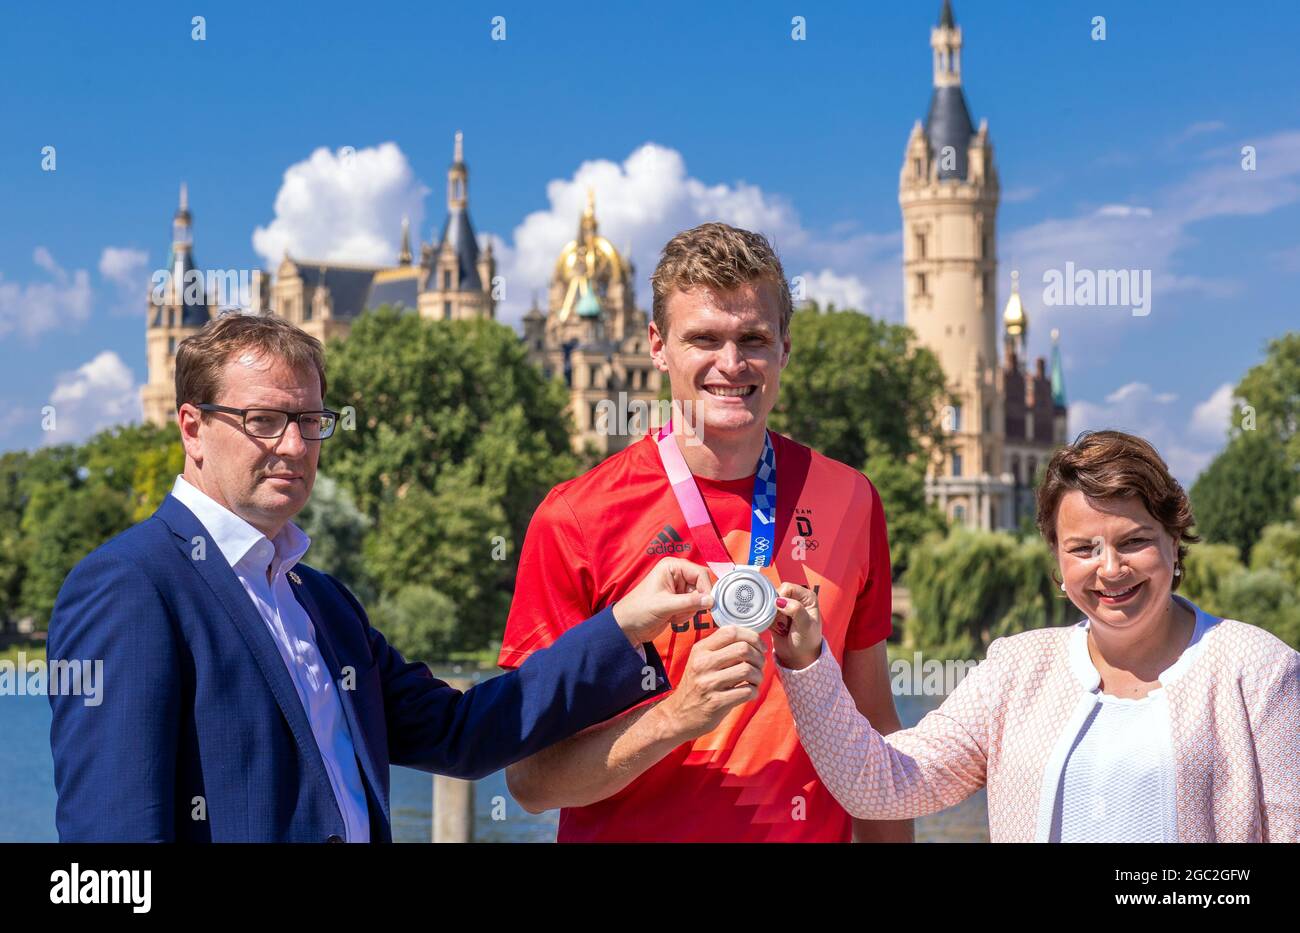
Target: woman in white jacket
x=1148 y=721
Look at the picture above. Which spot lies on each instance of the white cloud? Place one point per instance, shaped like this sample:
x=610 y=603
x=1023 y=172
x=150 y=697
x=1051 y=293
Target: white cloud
x=1287 y=257
x=1020 y=195
x=1210 y=418
x=96 y=395
x=124 y=266
x=41 y=256
x=844 y=291
x=32 y=308
x=11 y=417
x=644 y=200
x=1188 y=444
x=1200 y=129
x=1150 y=237
x=344 y=207
x=127 y=269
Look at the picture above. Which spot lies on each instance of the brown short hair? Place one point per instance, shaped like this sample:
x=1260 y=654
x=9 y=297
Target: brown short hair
x=720 y=257
x=201 y=357
x=1115 y=465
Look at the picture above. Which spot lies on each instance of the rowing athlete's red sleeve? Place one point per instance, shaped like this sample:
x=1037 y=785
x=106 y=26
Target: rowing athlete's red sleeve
x=872 y=619
x=554 y=589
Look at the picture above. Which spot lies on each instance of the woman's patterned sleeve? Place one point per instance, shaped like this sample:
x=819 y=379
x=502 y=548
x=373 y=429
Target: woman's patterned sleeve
x=935 y=764
x=1275 y=722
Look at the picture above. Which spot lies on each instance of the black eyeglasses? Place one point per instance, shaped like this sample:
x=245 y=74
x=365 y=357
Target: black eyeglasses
x=272 y=422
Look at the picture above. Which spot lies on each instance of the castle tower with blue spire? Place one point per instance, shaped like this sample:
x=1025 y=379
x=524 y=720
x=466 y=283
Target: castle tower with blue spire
x=949 y=192
x=178 y=305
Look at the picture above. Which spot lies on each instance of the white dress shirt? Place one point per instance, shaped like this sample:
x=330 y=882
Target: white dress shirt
x=1119 y=780
x=250 y=553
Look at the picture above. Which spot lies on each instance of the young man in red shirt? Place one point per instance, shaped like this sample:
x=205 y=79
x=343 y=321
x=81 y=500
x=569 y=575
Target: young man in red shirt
x=706 y=763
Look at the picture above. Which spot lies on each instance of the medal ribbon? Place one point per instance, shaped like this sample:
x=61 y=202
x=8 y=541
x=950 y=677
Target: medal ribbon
x=762 y=519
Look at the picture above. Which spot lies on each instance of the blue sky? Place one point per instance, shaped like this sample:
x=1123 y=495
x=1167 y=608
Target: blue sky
x=1122 y=153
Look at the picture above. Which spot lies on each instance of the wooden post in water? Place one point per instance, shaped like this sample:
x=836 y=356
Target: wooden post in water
x=453 y=799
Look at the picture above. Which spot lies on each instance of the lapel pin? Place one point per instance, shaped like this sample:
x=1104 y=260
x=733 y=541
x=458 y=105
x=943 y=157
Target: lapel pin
x=295 y=578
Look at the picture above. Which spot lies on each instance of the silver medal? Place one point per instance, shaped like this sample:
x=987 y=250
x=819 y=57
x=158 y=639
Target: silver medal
x=746 y=598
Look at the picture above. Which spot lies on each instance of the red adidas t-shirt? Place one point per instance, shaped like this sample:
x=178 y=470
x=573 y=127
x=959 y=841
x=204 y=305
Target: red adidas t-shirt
x=595 y=537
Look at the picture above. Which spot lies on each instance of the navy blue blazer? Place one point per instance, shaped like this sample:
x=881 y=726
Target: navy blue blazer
x=200 y=735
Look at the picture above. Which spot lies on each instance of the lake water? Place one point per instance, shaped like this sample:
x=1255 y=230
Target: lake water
x=27 y=790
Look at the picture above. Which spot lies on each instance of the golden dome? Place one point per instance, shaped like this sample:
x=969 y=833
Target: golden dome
x=588 y=260
x=1013 y=317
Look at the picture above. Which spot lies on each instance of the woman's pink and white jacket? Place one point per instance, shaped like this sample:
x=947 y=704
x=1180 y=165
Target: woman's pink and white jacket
x=1009 y=725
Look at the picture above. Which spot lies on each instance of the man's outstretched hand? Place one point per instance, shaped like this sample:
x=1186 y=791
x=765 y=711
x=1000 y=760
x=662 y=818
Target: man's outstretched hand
x=672 y=591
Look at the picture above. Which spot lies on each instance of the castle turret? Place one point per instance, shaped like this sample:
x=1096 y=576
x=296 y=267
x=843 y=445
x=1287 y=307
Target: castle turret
x=178 y=306
x=948 y=192
x=456 y=287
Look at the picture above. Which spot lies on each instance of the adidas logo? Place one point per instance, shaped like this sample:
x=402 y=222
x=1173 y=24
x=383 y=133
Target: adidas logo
x=668 y=541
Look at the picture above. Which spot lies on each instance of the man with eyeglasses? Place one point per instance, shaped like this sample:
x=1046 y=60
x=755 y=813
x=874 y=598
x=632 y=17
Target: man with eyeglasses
x=244 y=695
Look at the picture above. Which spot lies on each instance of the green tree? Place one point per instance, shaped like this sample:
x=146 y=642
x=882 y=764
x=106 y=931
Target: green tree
x=1207 y=568
x=1249 y=485
x=910 y=518
x=457 y=438
x=78 y=520
x=1272 y=392
x=456 y=540
x=73 y=499
x=861 y=391
x=13 y=559
x=853 y=379
x=337 y=529
x=430 y=395
x=974 y=586
x=1265 y=598
x=1279 y=549
x=418 y=621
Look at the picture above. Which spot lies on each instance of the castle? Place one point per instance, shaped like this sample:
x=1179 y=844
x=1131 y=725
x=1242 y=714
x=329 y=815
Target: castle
x=593 y=335
x=1005 y=419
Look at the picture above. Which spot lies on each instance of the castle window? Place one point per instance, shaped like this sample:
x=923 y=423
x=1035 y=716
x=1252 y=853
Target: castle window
x=959 y=514
x=956 y=417
x=446 y=279
x=1033 y=470
x=920 y=246
x=446 y=310
x=171 y=346
x=920 y=283
x=956 y=464
x=1015 y=468
x=917 y=169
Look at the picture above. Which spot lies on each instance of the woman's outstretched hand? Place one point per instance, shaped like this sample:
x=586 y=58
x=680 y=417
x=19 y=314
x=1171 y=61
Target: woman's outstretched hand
x=797 y=631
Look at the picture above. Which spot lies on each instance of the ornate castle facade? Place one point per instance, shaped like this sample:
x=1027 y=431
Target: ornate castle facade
x=593 y=335
x=1005 y=420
